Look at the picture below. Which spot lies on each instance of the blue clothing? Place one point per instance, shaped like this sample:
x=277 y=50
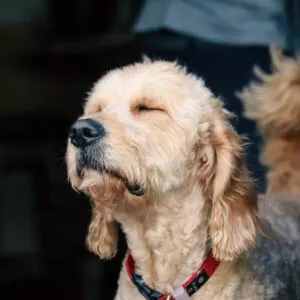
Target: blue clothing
x=235 y=22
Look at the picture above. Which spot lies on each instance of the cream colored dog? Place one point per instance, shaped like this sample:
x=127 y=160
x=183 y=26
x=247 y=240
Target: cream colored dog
x=154 y=151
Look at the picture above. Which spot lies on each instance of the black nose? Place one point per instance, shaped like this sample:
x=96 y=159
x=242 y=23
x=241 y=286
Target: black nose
x=84 y=132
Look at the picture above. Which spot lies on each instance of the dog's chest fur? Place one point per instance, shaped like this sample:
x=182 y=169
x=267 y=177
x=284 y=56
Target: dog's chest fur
x=271 y=270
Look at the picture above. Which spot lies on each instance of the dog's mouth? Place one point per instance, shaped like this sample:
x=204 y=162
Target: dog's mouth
x=133 y=188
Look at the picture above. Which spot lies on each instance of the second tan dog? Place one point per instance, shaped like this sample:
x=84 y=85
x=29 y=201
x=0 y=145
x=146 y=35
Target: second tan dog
x=273 y=101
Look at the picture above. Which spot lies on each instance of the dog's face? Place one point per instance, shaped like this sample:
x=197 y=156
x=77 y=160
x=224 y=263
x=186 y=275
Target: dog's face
x=148 y=117
x=148 y=129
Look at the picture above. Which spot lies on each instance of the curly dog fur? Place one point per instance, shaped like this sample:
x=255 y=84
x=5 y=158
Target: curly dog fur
x=166 y=132
x=273 y=101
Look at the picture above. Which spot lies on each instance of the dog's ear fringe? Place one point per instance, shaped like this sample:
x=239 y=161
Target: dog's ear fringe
x=102 y=235
x=233 y=221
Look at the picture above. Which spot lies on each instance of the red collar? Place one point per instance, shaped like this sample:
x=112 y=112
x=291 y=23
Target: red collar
x=191 y=286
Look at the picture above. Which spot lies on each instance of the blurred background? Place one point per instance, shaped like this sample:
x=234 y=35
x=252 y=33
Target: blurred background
x=51 y=53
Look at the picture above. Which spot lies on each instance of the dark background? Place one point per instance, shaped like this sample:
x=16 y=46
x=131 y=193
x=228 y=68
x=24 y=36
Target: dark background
x=51 y=52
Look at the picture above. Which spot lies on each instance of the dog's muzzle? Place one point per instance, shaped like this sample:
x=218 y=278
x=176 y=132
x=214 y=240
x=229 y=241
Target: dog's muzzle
x=86 y=132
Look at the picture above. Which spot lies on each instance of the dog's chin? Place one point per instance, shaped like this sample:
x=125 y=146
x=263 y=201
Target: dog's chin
x=105 y=178
x=109 y=190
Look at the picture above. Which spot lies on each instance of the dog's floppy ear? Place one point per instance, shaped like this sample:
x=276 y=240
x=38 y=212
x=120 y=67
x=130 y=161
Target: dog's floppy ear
x=102 y=234
x=233 y=219
x=106 y=193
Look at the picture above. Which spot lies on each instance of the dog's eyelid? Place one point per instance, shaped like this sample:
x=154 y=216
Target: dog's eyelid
x=145 y=108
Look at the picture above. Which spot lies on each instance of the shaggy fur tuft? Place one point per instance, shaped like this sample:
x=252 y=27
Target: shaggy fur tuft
x=273 y=101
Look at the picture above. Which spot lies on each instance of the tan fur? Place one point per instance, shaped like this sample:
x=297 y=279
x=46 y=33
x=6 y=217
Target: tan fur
x=233 y=223
x=198 y=194
x=273 y=101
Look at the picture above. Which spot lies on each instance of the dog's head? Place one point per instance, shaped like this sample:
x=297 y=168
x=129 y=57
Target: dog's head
x=150 y=129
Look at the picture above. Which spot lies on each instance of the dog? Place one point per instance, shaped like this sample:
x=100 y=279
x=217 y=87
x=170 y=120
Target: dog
x=154 y=151
x=272 y=101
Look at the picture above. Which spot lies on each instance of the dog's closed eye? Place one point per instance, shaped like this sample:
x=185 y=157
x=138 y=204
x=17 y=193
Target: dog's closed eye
x=146 y=108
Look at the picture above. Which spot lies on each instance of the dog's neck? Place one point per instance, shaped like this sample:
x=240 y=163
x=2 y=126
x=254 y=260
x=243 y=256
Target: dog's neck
x=169 y=240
